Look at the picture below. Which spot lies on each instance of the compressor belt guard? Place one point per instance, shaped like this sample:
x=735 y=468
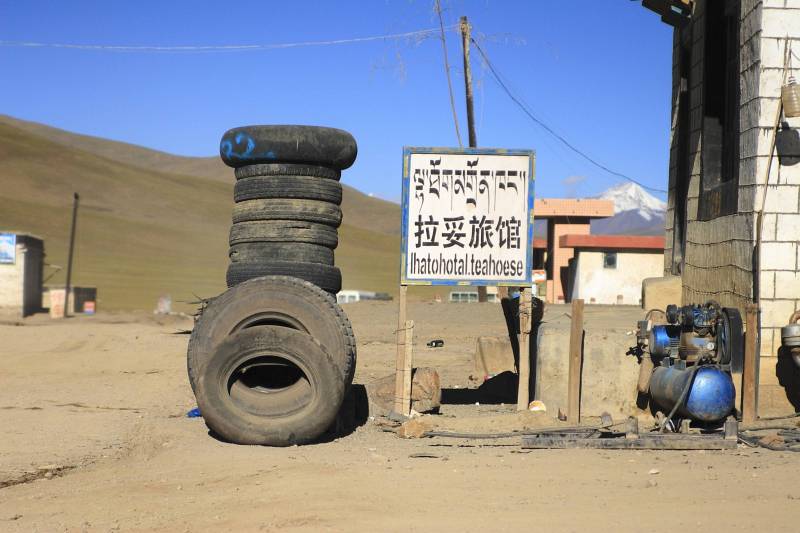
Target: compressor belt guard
x=694 y=354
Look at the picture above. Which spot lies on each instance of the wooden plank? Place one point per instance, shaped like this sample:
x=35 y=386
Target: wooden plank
x=400 y=361
x=523 y=387
x=655 y=442
x=750 y=370
x=575 y=362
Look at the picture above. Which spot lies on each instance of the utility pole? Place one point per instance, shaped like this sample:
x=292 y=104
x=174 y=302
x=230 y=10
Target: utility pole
x=473 y=140
x=465 y=38
x=75 y=201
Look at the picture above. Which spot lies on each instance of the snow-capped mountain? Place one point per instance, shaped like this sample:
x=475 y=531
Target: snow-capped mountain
x=636 y=212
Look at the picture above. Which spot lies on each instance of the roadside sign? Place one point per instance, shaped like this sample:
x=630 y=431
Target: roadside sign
x=467 y=216
x=8 y=248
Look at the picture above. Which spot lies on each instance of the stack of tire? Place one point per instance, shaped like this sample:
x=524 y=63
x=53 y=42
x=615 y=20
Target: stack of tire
x=271 y=359
x=287 y=198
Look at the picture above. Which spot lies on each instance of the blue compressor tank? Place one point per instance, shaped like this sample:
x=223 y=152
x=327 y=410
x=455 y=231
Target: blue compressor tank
x=711 y=397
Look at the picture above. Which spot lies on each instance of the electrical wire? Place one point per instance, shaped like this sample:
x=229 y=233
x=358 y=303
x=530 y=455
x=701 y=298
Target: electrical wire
x=423 y=34
x=438 y=8
x=550 y=130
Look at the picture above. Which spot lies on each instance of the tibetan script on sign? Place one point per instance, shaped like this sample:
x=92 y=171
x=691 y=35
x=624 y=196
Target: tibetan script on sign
x=466 y=216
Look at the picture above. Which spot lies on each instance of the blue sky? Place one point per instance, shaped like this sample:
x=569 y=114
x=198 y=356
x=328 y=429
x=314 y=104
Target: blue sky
x=597 y=72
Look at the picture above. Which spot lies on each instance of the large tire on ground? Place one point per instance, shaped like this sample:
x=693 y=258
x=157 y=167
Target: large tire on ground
x=273 y=301
x=288 y=209
x=326 y=277
x=270 y=385
x=314 y=145
x=283 y=169
x=256 y=252
x=299 y=187
x=284 y=231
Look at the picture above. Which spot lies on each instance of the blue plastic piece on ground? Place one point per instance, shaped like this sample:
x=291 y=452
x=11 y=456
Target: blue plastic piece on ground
x=194 y=413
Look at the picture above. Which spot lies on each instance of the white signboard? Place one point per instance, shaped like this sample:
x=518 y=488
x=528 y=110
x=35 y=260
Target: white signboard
x=467 y=216
x=8 y=248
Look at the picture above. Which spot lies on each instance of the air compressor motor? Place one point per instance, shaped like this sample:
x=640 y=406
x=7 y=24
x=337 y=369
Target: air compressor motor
x=692 y=357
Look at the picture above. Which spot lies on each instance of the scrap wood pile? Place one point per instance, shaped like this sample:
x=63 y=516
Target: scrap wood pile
x=271 y=359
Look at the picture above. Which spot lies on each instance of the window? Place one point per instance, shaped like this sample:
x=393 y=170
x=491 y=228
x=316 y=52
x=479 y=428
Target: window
x=609 y=259
x=720 y=145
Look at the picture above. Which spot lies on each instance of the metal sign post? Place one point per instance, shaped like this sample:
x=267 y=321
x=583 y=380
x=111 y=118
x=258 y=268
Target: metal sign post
x=467 y=219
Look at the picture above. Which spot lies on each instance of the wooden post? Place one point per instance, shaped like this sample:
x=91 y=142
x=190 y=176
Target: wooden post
x=523 y=387
x=750 y=370
x=575 y=363
x=400 y=406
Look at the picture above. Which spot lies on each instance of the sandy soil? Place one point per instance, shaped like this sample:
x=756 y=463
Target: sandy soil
x=95 y=438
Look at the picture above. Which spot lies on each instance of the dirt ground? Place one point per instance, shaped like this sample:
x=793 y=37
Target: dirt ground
x=95 y=438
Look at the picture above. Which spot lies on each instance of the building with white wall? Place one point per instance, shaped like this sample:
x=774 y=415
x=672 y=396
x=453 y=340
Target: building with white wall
x=609 y=269
x=21 y=266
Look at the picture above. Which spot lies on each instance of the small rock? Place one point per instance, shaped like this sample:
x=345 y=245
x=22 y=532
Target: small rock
x=654 y=471
x=414 y=428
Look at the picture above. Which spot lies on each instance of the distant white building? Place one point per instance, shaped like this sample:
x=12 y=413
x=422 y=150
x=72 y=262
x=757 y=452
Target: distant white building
x=469 y=295
x=609 y=269
x=346 y=297
x=21 y=265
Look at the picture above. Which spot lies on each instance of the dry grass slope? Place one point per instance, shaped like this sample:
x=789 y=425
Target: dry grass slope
x=152 y=223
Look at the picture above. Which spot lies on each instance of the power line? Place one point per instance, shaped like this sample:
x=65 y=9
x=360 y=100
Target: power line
x=550 y=130
x=438 y=8
x=420 y=34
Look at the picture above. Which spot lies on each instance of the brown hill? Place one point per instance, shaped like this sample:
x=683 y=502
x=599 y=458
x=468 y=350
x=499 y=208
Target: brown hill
x=361 y=210
x=153 y=223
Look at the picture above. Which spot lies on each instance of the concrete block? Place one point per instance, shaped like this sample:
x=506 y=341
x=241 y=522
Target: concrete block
x=787 y=285
x=609 y=376
x=749 y=82
x=778 y=255
x=780 y=22
x=787 y=227
x=691 y=208
x=658 y=293
x=776 y=313
x=768 y=229
x=747 y=199
x=767 y=342
x=767 y=284
x=493 y=356
x=782 y=199
x=756 y=140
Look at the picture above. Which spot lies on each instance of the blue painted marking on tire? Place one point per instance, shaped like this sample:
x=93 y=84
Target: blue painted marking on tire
x=227 y=148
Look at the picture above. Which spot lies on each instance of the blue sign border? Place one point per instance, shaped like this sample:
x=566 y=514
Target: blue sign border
x=407 y=151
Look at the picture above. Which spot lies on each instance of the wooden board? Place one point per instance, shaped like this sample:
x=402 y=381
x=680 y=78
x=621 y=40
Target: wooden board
x=523 y=386
x=750 y=370
x=403 y=360
x=575 y=363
